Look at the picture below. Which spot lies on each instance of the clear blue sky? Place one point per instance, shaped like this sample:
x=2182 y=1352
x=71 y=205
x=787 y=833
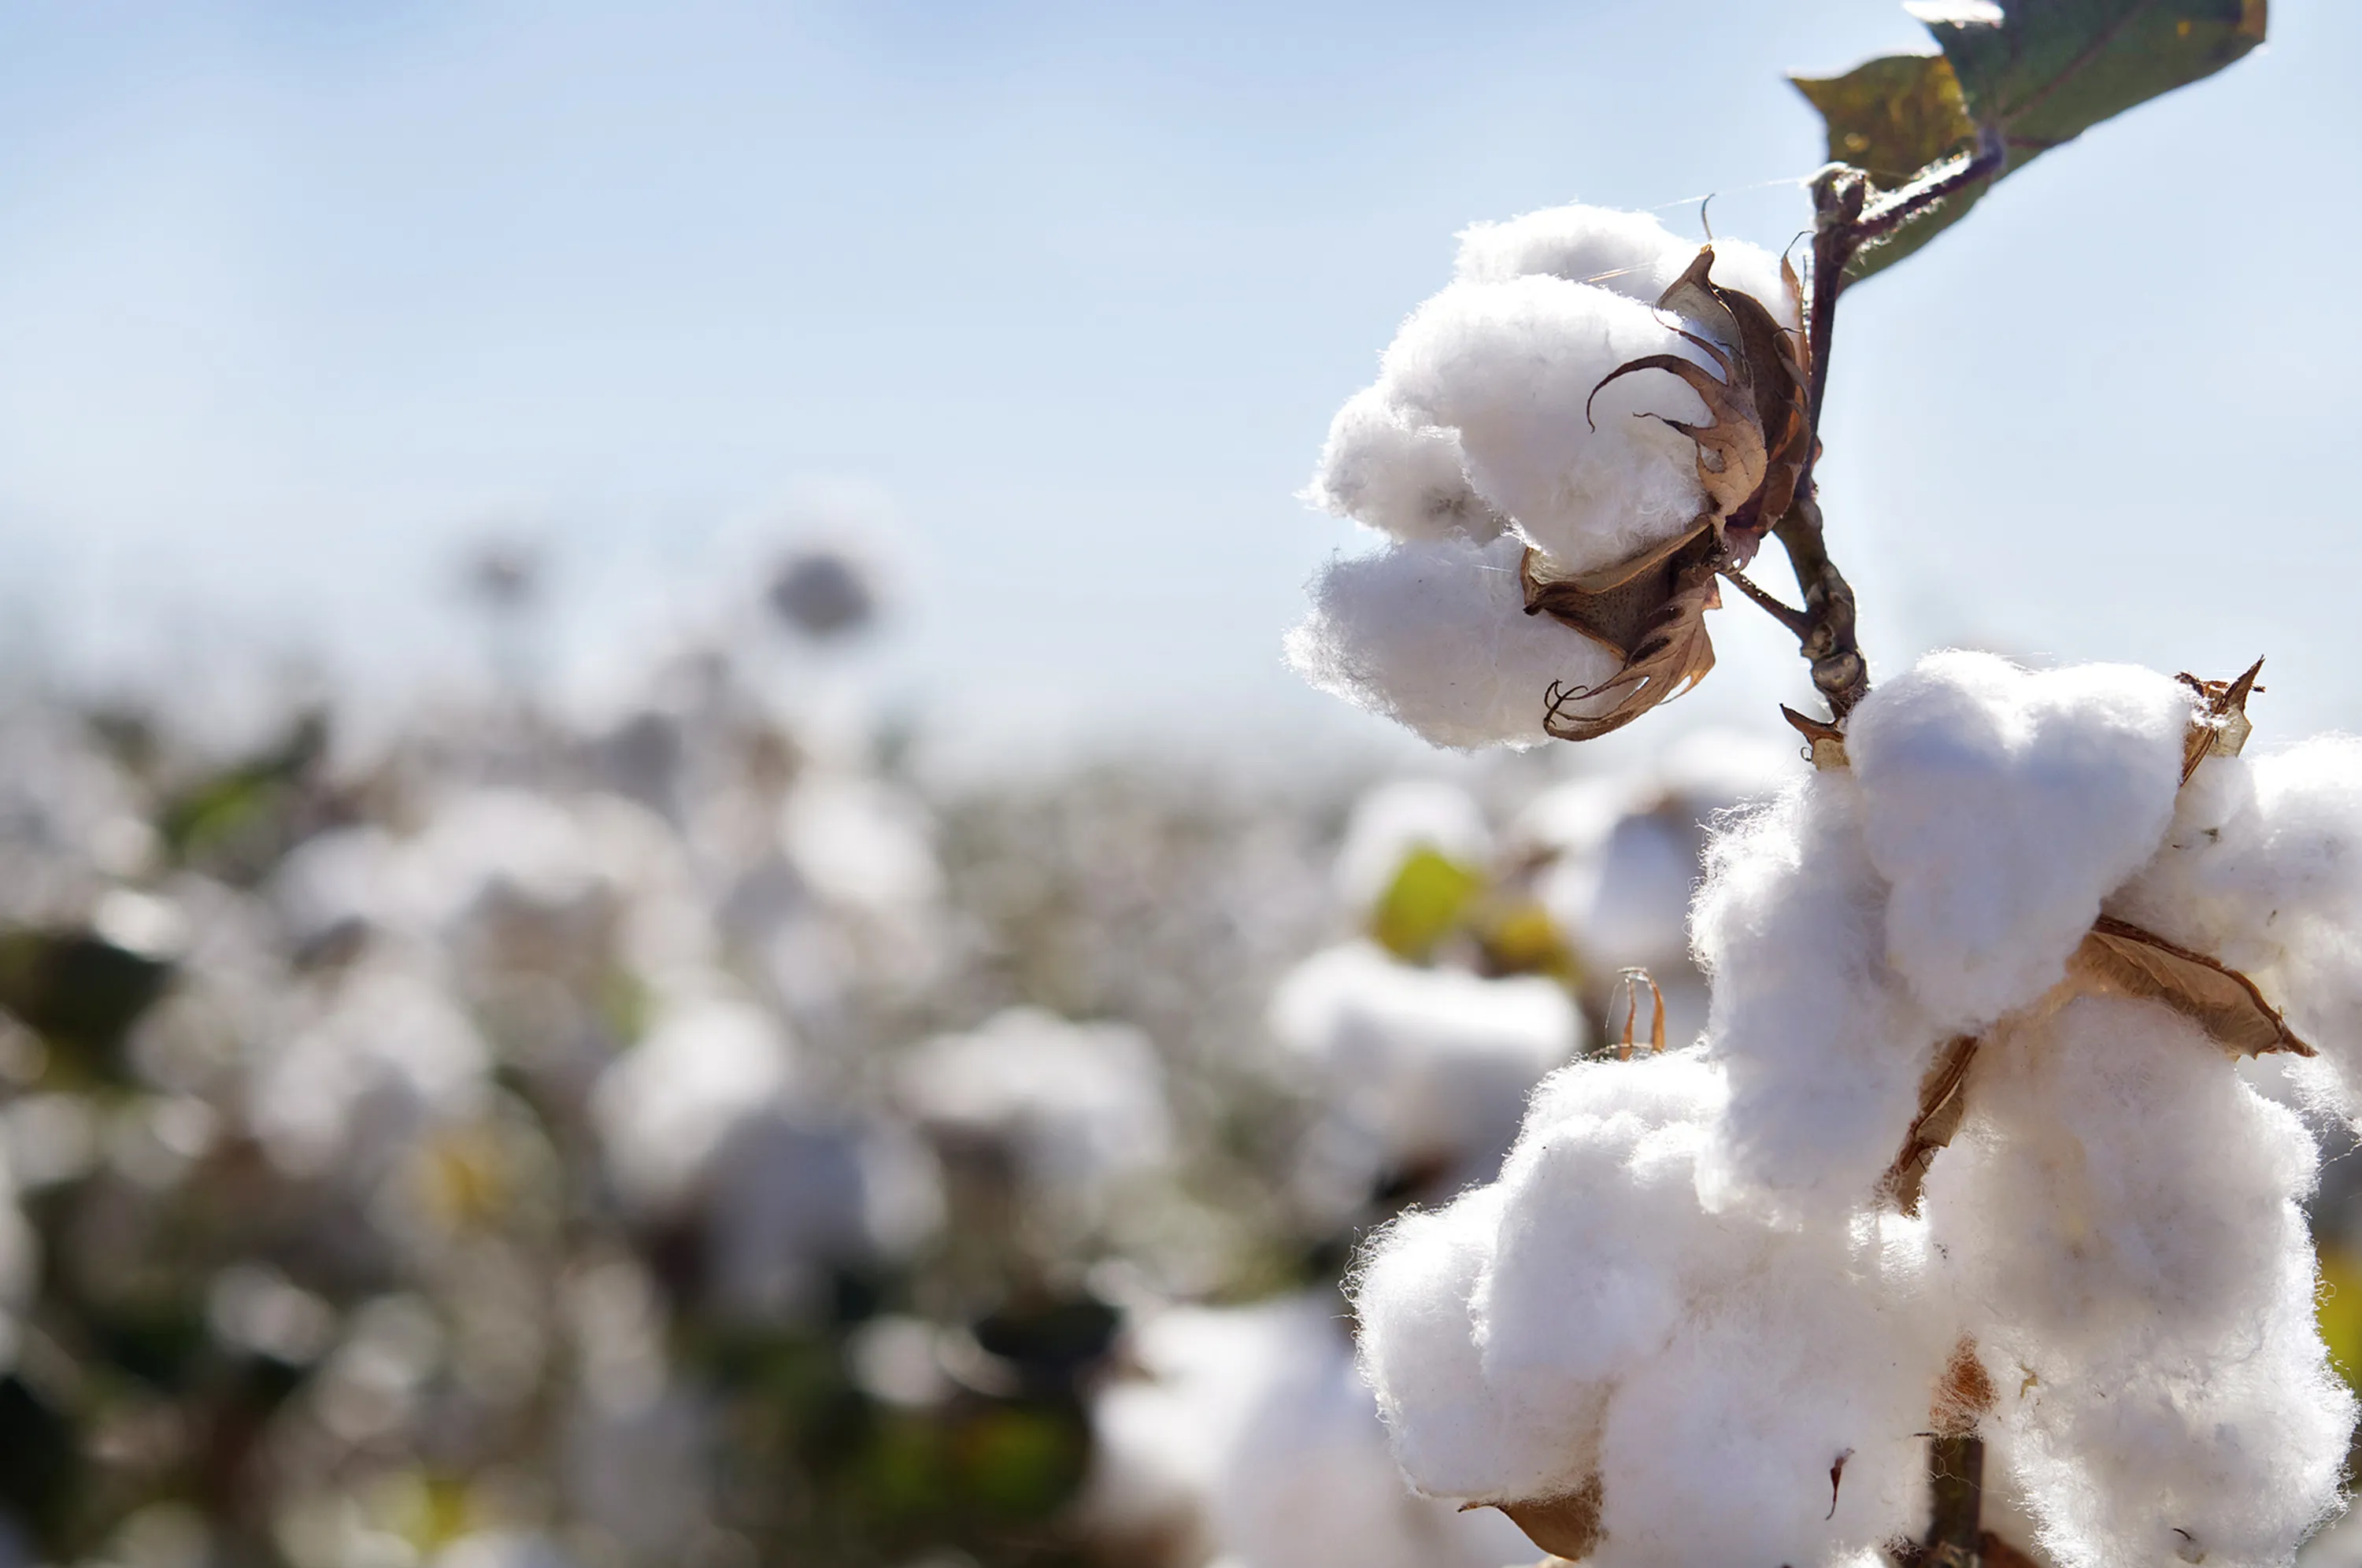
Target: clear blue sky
x=295 y=298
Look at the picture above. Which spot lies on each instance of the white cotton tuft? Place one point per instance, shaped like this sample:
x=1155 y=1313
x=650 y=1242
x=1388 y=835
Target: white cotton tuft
x=1599 y=1243
x=1435 y=1062
x=1436 y=637
x=1412 y=1291
x=1632 y=254
x=2119 y=1222
x=1383 y=469
x=1512 y=368
x=2002 y=806
x=1823 y=1046
x=667 y=1109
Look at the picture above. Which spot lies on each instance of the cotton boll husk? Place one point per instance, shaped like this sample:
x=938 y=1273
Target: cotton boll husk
x=1630 y=253
x=1412 y=1290
x=1437 y=1063
x=1720 y=1449
x=2120 y=1226
x=1512 y=367
x=1381 y=469
x=1824 y=1048
x=1599 y=1243
x=2002 y=806
x=1392 y=821
x=1435 y=636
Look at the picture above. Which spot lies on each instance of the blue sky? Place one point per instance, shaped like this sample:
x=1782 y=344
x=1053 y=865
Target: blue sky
x=1055 y=302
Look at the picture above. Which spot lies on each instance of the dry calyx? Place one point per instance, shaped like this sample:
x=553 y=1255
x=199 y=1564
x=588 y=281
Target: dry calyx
x=1754 y=452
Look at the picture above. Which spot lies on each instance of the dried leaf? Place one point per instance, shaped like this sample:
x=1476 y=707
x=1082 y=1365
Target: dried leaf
x=1732 y=453
x=2221 y=728
x=1825 y=744
x=1964 y=1394
x=1671 y=655
x=1628 y=982
x=1565 y=1526
x=1613 y=605
x=2121 y=959
x=1837 y=1475
x=1943 y=1101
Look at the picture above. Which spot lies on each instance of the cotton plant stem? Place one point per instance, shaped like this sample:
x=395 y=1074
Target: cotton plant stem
x=1956 y=1474
x=1845 y=218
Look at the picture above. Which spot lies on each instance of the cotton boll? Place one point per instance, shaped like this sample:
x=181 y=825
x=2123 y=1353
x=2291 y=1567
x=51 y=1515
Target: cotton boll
x=2120 y=1226
x=1512 y=367
x=1631 y=254
x=2003 y=805
x=1599 y=1244
x=1412 y=1291
x=1628 y=903
x=1720 y=1448
x=667 y=1110
x=1081 y=1105
x=1307 y=1482
x=388 y=1060
x=1392 y=821
x=1401 y=478
x=1436 y=637
x=1824 y=1047
x=1436 y=1063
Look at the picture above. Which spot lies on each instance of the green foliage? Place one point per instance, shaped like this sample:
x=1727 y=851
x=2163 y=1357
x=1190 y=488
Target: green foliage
x=2033 y=75
x=1423 y=905
x=79 y=991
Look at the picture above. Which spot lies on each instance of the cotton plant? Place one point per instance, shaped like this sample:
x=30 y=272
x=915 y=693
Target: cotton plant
x=1957 y=1233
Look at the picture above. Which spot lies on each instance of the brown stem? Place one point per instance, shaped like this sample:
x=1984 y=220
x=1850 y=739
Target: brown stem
x=1839 y=672
x=1956 y=1476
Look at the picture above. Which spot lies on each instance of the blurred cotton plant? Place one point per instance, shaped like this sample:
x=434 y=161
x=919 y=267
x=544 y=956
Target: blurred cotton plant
x=1960 y=1158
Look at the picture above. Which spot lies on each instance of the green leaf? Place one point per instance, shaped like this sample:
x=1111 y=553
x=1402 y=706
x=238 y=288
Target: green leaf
x=1423 y=904
x=2043 y=71
x=2036 y=72
x=1893 y=117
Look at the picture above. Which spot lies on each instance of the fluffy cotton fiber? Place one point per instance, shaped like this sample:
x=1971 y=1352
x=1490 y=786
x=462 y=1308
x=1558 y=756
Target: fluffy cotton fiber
x=1683 y=1284
x=1435 y=636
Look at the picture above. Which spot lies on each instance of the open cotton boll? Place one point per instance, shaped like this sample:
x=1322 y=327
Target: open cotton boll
x=1631 y=254
x=1411 y=1289
x=1080 y=1104
x=1599 y=1243
x=2120 y=1227
x=1392 y=821
x=1401 y=478
x=1307 y=1481
x=1436 y=1062
x=1720 y=1449
x=667 y=1109
x=390 y=1058
x=2003 y=805
x=1824 y=1047
x=1512 y=367
x=1436 y=637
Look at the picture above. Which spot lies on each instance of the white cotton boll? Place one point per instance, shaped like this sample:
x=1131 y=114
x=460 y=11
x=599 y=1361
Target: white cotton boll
x=2115 y=1170
x=1401 y=478
x=1632 y=254
x=1824 y=1047
x=336 y=882
x=1720 y=1448
x=390 y=1058
x=2002 y=806
x=1392 y=821
x=788 y=1199
x=1629 y=903
x=1437 y=1063
x=2120 y=1227
x=1601 y=1239
x=862 y=843
x=1412 y=1289
x=667 y=1109
x=1307 y=1481
x=1436 y=637
x=1081 y=1104
x=1512 y=367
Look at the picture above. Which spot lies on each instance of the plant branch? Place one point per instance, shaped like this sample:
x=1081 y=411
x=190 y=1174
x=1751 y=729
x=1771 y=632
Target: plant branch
x=1845 y=218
